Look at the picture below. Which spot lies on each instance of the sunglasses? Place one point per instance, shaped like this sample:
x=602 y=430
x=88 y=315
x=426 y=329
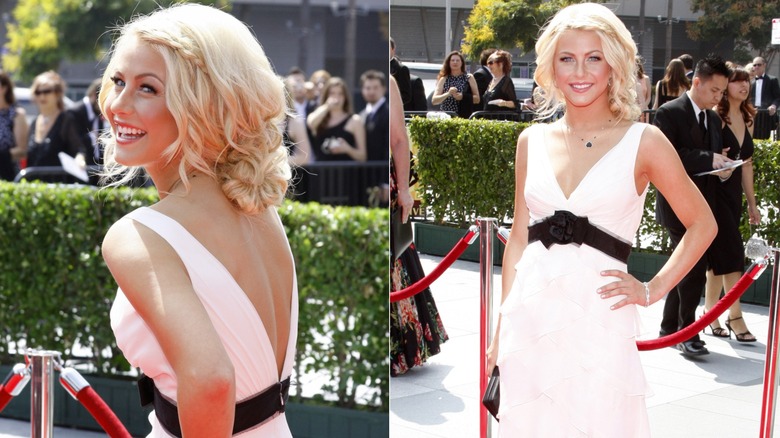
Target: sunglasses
x=46 y=91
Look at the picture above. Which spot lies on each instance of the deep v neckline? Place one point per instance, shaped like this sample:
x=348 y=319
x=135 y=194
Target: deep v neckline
x=244 y=297
x=589 y=171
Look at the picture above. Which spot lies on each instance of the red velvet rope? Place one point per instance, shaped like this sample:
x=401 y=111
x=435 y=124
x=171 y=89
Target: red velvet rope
x=4 y=398
x=683 y=335
x=426 y=281
x=102 y=413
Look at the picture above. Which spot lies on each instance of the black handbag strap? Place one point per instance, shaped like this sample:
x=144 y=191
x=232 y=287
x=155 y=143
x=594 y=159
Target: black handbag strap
x=249 y=413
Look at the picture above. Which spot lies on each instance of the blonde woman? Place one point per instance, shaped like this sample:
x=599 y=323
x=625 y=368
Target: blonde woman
x=207 y=305
x=565 y=341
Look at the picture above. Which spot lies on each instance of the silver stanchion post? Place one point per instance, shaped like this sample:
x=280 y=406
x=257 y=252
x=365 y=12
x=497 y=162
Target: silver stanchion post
x=761 y=253
x=770 y=364
x=486 y=227
x=42 y=392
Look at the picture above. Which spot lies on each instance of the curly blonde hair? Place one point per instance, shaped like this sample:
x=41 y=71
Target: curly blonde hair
x=619 y=52
x=226 y=99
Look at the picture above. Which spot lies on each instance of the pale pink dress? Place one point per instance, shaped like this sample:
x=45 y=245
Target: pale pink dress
x=569 y=365
x=232 y=313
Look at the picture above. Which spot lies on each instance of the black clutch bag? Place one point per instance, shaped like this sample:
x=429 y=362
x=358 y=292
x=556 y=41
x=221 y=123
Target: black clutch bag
x=400 y=233
x=492 y=394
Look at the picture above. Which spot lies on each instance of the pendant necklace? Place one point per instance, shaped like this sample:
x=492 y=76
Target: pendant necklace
x=588 y=143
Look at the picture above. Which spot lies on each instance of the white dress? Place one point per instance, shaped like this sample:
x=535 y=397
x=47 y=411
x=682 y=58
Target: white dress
x=569 y=365
x=230 y=310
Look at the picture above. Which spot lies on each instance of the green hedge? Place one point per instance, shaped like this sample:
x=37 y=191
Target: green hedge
x=466 y=170
x=466 y=167
x=56 y=292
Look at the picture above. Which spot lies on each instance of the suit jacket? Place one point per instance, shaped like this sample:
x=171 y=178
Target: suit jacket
x=679 y=123
x=483 y=78
x=377 y=133
x=83 y=126
x=419 y=100
x=401 y=74
x=770 y=92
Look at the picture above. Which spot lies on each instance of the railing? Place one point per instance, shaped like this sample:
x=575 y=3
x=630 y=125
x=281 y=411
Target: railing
x=409 y=114
x=509 y=116
x=334 y=182
x=57 y=174
x=341 y=182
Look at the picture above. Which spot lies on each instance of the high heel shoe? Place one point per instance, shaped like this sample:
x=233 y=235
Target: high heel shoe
x=718 y=332
x=741 y=337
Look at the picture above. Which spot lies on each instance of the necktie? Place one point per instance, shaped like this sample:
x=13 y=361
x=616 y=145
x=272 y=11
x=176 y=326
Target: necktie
x=702 y=126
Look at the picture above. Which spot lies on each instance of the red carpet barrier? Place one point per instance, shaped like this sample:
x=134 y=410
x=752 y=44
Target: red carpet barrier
x=683 y=335
x=80 y=389
x=448 y=260
x=13 y=384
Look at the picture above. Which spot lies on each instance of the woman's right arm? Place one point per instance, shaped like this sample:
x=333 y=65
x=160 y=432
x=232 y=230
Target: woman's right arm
x=440 y=94
x=21 y=135
x=517 y=242
x=155 y=281
x=316 y=117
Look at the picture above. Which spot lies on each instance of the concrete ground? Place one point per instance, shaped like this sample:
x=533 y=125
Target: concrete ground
x=718 y=395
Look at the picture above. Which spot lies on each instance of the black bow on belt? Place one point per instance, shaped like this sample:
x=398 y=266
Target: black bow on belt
x=565 y=227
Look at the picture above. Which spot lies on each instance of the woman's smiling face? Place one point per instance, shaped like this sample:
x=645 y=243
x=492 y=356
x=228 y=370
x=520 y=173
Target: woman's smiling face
x=135 y=105
x=581 y=71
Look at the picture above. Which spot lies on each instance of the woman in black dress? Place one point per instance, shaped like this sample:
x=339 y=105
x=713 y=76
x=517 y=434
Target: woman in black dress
x=673 y=85
x=500 y=95
x=339 y=133
x=54 y=129
x=726 y=255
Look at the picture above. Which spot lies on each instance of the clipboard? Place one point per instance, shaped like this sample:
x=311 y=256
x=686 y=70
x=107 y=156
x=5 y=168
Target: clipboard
x=732 y=165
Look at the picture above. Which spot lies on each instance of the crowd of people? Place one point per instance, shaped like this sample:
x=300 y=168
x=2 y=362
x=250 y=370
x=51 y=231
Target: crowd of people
x=55 y=130
x=321 y=124
x=324 y=125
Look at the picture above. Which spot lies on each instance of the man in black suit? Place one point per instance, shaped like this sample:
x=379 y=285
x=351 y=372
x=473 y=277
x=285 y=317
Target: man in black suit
x=695 y=132
x=764 y=94
x=482 y=75
x=401 y=74
x=89 y=123
x=375 y=115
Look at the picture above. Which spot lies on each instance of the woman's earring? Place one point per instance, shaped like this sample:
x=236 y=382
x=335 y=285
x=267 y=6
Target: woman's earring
x=609 y=82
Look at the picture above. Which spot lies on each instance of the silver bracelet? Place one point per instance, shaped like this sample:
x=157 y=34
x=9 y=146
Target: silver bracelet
x=647 y=294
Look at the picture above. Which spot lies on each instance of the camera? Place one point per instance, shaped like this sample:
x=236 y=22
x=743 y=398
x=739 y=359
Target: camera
x=329 y=143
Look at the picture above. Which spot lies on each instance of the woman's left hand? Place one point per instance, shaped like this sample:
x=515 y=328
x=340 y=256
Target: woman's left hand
x=627 y=285
x=754 y=215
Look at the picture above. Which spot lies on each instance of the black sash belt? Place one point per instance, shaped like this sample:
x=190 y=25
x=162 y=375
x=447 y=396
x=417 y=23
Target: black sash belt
x=249 y=413
x=564 y=227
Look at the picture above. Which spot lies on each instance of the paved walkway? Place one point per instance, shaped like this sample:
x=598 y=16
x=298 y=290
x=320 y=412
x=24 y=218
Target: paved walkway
x=17 y=429
x=718 y=395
